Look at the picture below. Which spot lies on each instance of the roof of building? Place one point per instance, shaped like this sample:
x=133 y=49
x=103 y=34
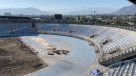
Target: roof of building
x=13 y=17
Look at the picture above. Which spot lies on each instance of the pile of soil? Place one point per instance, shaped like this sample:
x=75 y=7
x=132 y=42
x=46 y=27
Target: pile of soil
x=16 y=59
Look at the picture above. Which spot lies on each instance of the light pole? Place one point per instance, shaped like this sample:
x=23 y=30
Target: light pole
x=94 y=12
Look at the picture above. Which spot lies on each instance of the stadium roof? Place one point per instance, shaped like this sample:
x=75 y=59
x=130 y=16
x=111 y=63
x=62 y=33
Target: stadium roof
x=14 y=17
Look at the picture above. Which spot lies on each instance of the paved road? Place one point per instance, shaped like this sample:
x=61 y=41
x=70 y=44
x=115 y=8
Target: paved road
x=75 y=64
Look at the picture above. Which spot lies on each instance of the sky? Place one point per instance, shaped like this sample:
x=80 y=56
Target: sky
x=55 y=5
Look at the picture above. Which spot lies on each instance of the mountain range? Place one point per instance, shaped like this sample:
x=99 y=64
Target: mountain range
x=128 y=10
x=24 y=11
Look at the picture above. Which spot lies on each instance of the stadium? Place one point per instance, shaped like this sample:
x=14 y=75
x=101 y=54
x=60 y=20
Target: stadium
x=108 y=50
x=82 y=42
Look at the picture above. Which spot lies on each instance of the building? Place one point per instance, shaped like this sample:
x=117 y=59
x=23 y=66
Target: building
x=58 y=16
x=7 y=14
x=15 y=19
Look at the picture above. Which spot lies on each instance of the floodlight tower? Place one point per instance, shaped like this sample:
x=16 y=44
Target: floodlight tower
x=94 y=12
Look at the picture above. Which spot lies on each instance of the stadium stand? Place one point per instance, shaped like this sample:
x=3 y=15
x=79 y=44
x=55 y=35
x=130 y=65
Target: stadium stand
x=11 y=25
x=116 y=44
x=15 y=28
x=126 y=68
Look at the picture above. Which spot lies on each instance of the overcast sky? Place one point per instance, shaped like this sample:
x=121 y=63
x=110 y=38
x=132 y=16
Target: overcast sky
x=55 y=5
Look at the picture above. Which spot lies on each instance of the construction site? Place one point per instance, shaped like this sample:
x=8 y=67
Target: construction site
x=16 y=59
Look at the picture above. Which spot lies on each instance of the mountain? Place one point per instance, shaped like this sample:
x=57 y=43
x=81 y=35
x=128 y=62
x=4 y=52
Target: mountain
x=24 y=11
x=128 y=10
x=90 y=11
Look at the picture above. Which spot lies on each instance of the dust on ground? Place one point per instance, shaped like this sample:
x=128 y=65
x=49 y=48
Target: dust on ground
x=51 y=54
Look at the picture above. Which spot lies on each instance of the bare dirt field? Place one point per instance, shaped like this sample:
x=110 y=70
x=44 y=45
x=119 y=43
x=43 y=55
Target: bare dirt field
x=16 y=59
